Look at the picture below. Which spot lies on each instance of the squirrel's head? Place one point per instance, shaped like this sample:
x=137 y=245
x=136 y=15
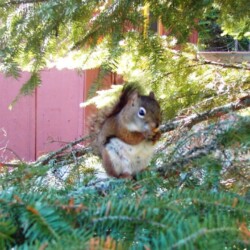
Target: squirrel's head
x=142 y=114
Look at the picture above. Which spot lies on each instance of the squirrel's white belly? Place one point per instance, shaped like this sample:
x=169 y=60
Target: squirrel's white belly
x=127 y=158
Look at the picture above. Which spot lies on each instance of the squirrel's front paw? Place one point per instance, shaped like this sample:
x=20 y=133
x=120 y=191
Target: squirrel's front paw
x=156 y=136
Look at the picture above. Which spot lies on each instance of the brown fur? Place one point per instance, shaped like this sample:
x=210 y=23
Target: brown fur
x=116 y=123
x=126 y=94
x=105 y=120
x=108 y=164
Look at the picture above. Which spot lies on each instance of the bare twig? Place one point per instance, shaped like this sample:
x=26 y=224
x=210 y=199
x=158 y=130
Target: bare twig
x=12 y=164
x=66 y=147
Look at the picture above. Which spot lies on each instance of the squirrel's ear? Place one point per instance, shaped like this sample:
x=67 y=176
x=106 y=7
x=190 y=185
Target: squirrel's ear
x=152 y=95
x=133 y=97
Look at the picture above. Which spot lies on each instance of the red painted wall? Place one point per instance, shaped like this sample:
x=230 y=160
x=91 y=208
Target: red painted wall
x=52 y=113
x=17 y=127
x=58 y=115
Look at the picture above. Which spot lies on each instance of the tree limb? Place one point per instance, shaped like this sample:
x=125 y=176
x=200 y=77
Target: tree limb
x=207 y=62
x=191 y=120
x=224 y=65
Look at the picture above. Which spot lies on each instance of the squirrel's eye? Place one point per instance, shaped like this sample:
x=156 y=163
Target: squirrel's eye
x=142 y=112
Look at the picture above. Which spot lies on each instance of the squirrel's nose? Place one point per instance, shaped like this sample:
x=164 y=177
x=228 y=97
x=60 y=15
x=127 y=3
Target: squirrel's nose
x=150 y=127
x=153 y=125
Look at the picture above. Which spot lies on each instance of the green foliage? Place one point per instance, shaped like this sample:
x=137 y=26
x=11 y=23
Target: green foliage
x=137 y=215
x=32 y=34
x=180 y=81
x=212 y=38
x=234 y=17
x=237 y=134
x=7 y=229
x=194 y=195
x=189 y=207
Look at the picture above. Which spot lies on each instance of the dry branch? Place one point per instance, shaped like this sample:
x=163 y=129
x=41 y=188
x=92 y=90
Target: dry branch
x=217 y=64
x=61 y=150
x=191 y=120
x=224 y=65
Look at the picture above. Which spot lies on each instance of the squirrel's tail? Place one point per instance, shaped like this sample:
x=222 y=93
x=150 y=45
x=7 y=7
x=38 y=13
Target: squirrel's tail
x=98 y=117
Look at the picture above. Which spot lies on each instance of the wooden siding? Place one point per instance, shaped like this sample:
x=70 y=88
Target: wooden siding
x=46 y=120
x=17 y=127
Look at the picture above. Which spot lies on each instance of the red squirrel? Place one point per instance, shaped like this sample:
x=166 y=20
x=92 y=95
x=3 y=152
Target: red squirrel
x=128 y=133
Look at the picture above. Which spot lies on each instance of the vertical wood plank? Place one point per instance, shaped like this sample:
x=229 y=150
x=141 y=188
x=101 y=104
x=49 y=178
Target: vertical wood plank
x=17 y=130
x=59 y=117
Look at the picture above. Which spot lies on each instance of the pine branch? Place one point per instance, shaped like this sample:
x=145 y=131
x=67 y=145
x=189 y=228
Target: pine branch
x=202 y=232
x=41 y=220
x=129 y=220
x=175 y=165
x=191 y=120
